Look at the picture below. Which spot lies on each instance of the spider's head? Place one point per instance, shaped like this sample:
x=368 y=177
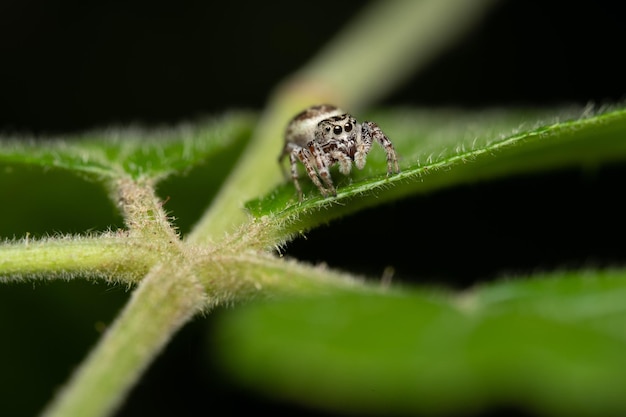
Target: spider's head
x=337 y=128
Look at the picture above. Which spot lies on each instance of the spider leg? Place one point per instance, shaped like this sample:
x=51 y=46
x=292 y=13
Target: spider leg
x=371 y=131
x=322 y=164
x=304 y=156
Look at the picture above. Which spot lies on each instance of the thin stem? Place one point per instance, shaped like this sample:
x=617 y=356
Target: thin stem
x=112 y=256
x=166 y=299
x=250 y=276
x=143 y=212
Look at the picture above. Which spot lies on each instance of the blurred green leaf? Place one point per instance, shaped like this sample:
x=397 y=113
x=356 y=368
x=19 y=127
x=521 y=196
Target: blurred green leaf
x=39 y=202
x=131 y=151
x=552 y=344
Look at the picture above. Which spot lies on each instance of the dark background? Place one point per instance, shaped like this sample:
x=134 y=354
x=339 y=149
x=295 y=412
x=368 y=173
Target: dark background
x=69 y=66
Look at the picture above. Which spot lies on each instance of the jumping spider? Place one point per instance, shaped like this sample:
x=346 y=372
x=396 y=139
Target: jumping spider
x=322 y=136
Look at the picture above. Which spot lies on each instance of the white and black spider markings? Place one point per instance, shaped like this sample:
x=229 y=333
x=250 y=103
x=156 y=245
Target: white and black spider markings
x=322 y=136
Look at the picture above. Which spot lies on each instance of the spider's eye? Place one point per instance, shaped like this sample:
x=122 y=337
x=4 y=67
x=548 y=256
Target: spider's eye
x=347 y=127
x=327 y=128
x=337 y=130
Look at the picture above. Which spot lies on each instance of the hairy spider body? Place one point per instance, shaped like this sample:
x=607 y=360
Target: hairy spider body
x=322 y=136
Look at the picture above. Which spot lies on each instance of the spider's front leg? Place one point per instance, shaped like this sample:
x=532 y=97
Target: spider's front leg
x=370 y=132
x=307 y=159
x=322 y=164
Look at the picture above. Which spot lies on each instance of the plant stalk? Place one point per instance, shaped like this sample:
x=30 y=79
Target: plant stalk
x=166 y=299
x=116 y=258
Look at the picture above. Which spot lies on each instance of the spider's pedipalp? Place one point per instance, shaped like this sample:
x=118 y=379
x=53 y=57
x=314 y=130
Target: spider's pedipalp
x=344 y=161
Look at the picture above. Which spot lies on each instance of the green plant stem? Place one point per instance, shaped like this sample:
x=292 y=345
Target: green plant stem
x=143 y=211
x=249 y=276
x=171 y=294
x=114 y=257
x=166 y=299
x=388 y=41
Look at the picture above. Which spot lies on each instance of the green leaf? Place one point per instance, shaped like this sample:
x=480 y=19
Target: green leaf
x=554 y=344
x=134 y=152
x=41 y=202
x=443 y=148
x=551 y=344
